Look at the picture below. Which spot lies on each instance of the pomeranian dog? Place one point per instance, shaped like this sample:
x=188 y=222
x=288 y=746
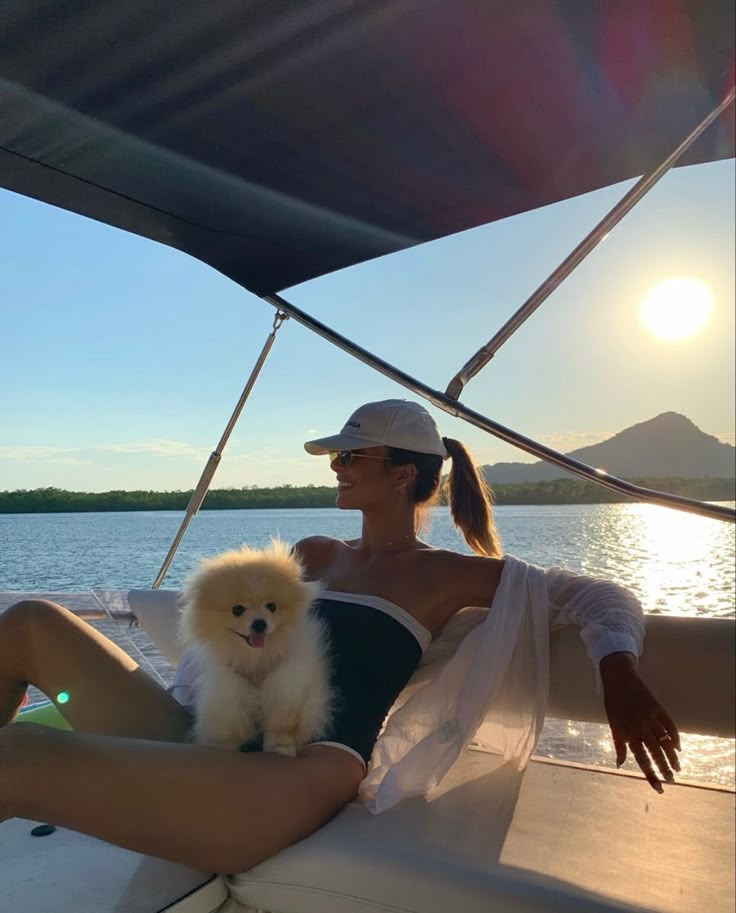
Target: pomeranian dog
x=261 y=655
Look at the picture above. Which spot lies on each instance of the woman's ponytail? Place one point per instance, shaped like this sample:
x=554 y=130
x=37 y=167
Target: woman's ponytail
x=471 y=500
x=468 y=495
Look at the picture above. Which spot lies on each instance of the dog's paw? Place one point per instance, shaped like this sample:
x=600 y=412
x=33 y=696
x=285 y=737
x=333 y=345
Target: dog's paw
x=284 y=748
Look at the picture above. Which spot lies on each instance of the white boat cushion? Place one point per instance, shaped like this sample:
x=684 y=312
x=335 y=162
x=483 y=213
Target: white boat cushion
x=492 y=839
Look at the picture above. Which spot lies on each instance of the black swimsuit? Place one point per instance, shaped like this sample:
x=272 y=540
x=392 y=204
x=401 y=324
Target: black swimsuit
x=374 y=648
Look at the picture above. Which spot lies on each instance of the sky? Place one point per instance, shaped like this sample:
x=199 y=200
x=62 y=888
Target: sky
x=123 y=359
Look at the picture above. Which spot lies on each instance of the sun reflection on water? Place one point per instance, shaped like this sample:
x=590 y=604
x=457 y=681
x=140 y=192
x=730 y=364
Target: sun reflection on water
x=675 y=548
x=677 y=563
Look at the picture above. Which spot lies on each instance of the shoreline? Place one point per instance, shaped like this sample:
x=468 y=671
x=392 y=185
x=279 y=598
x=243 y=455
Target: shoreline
x=556 y=492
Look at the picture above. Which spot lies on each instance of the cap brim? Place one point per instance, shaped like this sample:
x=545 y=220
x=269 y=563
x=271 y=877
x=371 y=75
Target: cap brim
x=324 y=445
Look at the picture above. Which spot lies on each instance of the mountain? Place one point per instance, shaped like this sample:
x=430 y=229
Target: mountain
x=666 y=446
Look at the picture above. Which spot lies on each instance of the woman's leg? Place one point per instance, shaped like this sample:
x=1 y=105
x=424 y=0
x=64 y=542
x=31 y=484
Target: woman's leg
x=213 y=809
x=45 y=645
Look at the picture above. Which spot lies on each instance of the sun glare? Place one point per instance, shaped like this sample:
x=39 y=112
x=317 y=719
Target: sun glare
x=676 y=308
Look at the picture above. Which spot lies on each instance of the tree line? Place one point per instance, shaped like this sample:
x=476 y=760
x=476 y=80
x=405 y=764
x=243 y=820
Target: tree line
x=559 y=491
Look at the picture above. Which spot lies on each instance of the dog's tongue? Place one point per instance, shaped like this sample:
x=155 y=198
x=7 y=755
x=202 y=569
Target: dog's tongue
x=256 y=640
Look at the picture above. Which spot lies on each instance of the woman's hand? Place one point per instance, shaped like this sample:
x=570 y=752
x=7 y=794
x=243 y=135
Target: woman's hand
x=638 y=720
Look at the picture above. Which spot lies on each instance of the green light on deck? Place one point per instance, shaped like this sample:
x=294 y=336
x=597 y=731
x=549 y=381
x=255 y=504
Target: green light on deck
x=62 y=697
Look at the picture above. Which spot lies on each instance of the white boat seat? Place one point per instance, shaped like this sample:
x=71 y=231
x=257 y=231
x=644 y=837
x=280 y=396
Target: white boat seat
x=559 y=837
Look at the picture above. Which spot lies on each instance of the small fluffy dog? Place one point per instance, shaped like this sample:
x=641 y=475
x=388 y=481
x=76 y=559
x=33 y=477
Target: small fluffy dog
x=261 y=655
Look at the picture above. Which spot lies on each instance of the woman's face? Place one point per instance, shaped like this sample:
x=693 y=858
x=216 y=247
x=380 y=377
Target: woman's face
x=366 y=482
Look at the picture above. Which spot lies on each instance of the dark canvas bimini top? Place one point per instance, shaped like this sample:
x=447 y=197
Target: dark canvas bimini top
x=278 y=140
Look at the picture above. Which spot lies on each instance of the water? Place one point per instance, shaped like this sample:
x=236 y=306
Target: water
x=677 y=563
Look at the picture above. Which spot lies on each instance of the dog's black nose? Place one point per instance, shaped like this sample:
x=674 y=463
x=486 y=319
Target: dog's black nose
x=258 y=626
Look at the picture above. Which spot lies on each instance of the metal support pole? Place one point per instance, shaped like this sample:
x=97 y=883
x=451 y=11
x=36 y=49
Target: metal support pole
x=214 y=461
x=643 y=186
x=453 y=407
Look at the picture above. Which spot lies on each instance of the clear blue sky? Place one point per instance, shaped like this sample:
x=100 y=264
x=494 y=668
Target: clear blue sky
x=123 y=359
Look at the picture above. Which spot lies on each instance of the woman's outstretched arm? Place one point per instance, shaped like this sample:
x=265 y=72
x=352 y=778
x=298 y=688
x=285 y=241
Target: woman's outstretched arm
x=212 y=809
x=611 y=623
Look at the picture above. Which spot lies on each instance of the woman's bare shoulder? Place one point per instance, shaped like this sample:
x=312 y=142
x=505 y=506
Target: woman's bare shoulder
x=319 y=542
x=315 y=552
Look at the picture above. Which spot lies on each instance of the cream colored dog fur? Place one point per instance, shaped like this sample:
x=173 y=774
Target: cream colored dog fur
x=260 y=652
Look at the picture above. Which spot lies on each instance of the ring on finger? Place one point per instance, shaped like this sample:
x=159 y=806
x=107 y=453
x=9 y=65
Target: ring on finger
x=666 y=737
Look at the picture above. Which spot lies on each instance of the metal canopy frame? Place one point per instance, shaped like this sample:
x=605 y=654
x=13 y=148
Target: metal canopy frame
x=208 y=473
x=449 y=400
x=481 y=358
x=453 y=407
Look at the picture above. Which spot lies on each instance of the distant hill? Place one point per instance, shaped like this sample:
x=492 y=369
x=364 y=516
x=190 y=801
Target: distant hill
x=668 y=445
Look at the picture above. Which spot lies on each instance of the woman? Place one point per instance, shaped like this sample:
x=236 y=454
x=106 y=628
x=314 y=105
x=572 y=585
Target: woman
x=126 y=773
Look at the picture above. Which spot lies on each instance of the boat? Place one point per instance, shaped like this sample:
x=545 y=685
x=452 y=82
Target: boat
x=277 y=143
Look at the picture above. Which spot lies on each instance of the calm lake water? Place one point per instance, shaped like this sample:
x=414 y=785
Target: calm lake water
x=676 y=563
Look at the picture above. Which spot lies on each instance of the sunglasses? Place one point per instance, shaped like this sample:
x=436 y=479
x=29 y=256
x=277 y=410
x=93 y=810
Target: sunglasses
x=346 y=457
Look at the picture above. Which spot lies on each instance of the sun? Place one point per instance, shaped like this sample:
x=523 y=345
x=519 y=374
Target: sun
x=676 y=308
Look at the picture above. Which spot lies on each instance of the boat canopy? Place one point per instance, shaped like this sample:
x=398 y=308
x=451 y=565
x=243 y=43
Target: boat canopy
x=280 y=141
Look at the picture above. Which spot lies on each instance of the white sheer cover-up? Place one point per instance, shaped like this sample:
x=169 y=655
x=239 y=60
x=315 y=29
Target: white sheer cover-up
x=485 y=677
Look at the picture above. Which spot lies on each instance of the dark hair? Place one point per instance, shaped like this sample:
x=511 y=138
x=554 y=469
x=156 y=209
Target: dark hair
x=468 y=494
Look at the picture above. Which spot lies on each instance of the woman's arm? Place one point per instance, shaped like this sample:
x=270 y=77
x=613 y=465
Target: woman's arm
x=611 y=623
x=638 y=720
x=609 y=616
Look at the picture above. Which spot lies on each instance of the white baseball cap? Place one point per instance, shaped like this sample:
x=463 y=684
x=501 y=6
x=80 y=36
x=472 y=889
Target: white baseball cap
x=391 y=423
